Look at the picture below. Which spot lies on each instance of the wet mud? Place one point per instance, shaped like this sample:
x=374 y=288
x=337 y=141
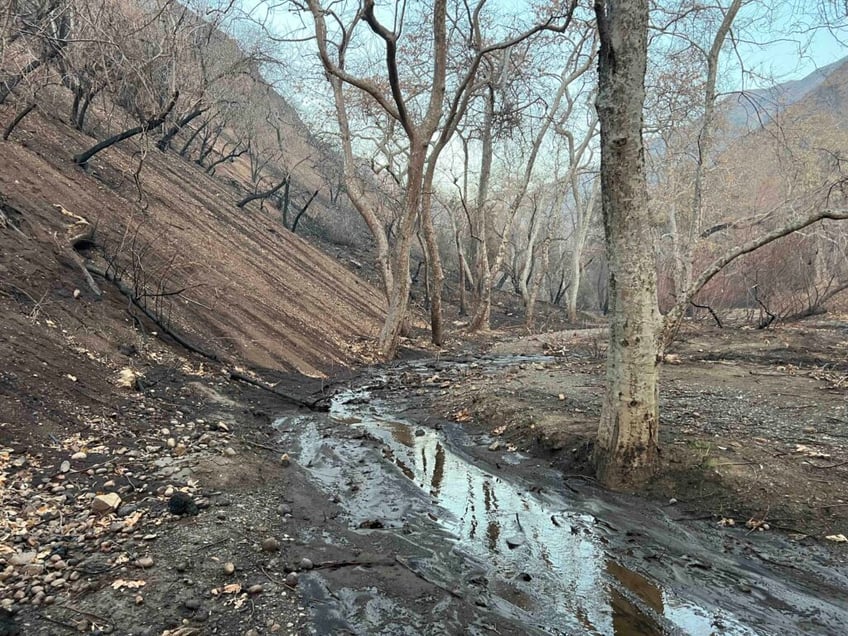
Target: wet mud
x=467 y=541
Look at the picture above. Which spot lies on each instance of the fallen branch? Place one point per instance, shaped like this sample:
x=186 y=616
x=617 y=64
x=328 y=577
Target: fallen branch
x=315 y=405
x=334 y=565
x=130 y=295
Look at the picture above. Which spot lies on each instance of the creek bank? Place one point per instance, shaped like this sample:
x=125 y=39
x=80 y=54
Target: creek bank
x=508 y=546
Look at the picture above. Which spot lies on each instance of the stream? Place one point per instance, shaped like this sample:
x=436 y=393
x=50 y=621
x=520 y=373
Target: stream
x=511 y=549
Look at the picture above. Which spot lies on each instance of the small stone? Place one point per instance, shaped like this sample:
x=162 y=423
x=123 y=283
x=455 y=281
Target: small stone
x=291 y=579
x=180 y=450
x=672 y=501
x=223 y=427
x=251 y=632
x=22 y=558
x=145 y=562
x=103 y=504
x=285 y=460
x=139 y=599
x=229 y=568
x=57 y=583
x=494 y=445
x=192 y=604
x=255 y=589
x=171 y=443
x=306 y=564
x=65 y=466
x=229 y=451
x=515 y=541
x=181 y=503
x=561 y=397
x=270 y=545
x=79 y=455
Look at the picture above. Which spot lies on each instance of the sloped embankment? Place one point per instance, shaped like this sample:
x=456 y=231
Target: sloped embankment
x=249 y=290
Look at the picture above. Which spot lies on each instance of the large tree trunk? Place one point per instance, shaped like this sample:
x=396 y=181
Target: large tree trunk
x=399 y=295
x=626 y=451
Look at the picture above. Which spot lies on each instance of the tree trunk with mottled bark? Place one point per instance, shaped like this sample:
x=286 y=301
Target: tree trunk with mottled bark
x=626 y=451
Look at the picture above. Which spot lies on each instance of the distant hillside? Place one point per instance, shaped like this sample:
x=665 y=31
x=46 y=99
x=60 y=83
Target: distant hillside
x=749 y=110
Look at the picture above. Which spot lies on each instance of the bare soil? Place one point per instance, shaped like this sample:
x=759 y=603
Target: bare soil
x=754 y=424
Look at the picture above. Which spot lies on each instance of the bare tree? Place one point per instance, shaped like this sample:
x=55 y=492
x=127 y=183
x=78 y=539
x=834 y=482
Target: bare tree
x=425 y=112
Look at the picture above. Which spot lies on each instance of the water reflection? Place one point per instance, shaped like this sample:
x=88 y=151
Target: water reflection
x=546 y=565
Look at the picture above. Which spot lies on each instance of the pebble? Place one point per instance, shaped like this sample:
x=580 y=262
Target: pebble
x=106 y=503
x=270 y=545
x=306 y=564
x=255 y=589
x=79 y=455
x=181 y=503
x=193 y=604
x=285 y=460
x=291 y=579
x=65 y=466
x=145 y=562
x=494 y=445
x=251 y=632
x=229 y=451
x=229 y=568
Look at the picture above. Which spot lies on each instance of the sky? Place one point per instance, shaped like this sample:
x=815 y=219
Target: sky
x=788 y=43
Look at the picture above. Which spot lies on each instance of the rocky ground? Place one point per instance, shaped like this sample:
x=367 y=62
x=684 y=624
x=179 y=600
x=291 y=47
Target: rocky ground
x=165 y=515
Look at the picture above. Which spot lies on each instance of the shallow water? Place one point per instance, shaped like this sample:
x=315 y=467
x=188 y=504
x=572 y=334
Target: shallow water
x=542 y=558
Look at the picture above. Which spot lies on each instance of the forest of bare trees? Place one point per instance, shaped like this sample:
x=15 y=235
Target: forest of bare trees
x=590 y=157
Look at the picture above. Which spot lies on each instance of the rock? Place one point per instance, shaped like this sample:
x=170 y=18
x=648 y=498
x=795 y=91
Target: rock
x=229 y=568
x=270 y=545
x=306 y=564
x=65 y=466
x=229 y=451
x=79 y=455
x=181 y=503
x=255 y=589
x=171 y=443
x=515 y=541
x=291 y=579
x=285 y=460
x=180 y=450
x=494 y=445
x=251 y=632
x=127 y=509
x=103 y=504
x=672 y=501
x=22 y=558
x=284 y=509
x=193 y=604
x=145 y=562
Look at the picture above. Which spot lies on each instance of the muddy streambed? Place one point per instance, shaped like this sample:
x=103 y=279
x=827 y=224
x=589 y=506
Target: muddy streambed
x=488 y=543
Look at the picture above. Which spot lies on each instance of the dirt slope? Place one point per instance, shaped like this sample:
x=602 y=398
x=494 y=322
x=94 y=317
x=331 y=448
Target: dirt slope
x=253 y=291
